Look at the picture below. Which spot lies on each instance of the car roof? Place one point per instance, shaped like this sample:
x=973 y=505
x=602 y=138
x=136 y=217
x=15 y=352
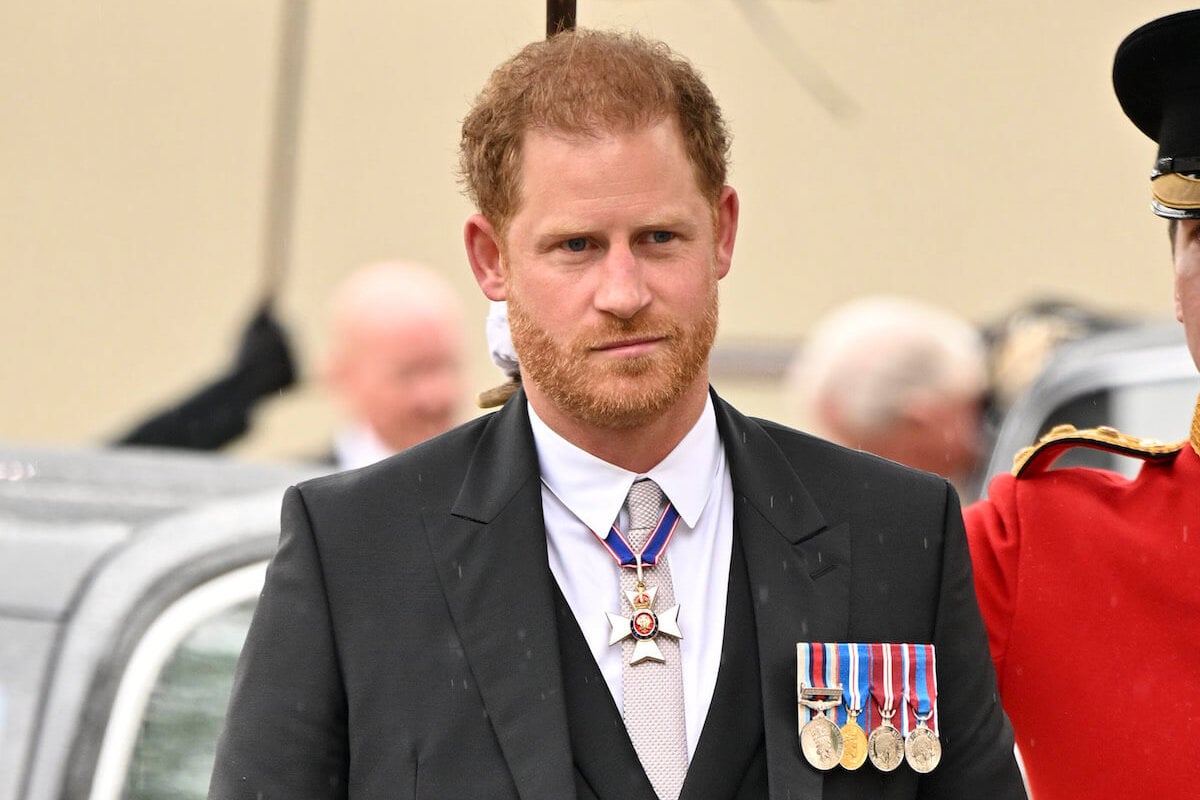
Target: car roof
x=63 y=510
x=94 y=542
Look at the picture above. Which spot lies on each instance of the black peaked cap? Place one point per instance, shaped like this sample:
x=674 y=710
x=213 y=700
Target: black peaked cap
x=1156 y=75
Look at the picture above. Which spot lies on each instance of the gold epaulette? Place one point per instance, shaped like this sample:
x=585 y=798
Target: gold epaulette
x=1038 y=457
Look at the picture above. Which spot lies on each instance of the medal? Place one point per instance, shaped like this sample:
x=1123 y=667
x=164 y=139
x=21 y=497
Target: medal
x=821 y=739
x=855 y=740
x=885 y=746
x=643 y=623
x=922 y=748
x=854 y=670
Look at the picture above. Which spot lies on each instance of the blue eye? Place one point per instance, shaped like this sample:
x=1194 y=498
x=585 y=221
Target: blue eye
x=661 y=237
x=576 y=245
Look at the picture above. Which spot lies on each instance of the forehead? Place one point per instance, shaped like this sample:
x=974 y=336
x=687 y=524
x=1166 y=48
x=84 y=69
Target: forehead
x=642 y=164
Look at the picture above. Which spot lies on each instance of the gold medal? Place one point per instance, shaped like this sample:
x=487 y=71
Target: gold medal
x=854 y=738
x=885 y=747
x=820 y=738
x=922 y=748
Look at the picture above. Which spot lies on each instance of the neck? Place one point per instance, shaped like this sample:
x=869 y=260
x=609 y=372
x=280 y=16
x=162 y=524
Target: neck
x=636 y=449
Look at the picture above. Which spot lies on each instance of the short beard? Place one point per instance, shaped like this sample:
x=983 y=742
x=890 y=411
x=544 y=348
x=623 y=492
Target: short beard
x=647 y=386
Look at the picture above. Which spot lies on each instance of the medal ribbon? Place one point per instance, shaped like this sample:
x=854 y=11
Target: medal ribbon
x=816 y=668
x=887 y=675
x=920 y=690
x=803 y=676
x=832 y=675
x=855 y=674
x=618 y=546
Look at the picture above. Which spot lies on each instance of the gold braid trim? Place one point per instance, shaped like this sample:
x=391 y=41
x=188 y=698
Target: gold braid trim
x=1037 y=458
x=1195 y=435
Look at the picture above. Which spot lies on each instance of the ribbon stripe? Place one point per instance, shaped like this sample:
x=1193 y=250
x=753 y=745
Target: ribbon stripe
x=618 y=546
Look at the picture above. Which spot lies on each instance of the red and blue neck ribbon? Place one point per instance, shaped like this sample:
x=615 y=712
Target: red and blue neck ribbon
x=618 y=547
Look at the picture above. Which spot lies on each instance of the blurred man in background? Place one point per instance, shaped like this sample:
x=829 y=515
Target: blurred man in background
x=394 y=368
x=898 y=378
x=395 y=360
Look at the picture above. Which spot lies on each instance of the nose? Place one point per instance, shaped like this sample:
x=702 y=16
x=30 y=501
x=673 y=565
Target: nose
x=622 y=289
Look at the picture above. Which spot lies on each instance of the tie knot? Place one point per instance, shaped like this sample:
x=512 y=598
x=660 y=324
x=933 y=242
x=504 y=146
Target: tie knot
x=645 y=502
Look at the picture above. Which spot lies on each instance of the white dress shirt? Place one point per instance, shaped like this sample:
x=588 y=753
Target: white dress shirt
x=581 y=494
x=357 y=446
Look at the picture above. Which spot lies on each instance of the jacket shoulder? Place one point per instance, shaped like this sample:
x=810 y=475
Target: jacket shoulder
x=819 y=462
x=1038 y=457
x=437 y=456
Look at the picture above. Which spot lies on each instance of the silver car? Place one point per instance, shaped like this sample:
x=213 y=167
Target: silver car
x=127 y=581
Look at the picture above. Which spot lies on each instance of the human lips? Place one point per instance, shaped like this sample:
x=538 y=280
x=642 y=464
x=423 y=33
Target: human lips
x=633 y=346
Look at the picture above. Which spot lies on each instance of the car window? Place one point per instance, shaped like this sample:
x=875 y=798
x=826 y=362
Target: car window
x=161 y=737
x=173 y=757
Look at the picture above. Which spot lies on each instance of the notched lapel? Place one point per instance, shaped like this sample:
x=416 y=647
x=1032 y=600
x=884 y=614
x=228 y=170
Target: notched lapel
x=490 y=554
x=799 y=569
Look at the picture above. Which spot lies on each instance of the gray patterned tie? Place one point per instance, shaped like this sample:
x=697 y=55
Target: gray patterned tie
x=653 y=707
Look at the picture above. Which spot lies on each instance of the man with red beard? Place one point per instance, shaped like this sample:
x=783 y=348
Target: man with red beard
x=603 y=589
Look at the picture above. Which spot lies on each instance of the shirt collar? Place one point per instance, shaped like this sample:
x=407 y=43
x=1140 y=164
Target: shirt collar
x=357 y=446
x=594 y=490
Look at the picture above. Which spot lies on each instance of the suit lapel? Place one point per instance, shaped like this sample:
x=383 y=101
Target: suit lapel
x=799 y=570
x=490 y=554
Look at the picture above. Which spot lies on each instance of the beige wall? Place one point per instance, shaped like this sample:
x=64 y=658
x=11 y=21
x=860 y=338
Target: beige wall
x=966 y=153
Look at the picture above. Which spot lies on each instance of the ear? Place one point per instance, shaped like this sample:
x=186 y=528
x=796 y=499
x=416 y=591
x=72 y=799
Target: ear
x=483 y=251
x=726 y=233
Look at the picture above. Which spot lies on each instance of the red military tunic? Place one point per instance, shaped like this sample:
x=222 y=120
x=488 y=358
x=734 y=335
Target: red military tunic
x=1090 y=587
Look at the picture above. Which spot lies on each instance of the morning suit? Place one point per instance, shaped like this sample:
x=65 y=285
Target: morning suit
x=411 y=642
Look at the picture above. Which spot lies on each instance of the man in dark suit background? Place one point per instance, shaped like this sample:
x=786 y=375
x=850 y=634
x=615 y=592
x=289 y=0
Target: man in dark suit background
x=438 y=625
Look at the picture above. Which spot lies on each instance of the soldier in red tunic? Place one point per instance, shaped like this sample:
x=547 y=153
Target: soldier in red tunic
x=1090 y=582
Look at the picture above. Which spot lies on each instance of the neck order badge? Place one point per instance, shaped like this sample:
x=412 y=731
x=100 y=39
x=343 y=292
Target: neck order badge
x=643 y=624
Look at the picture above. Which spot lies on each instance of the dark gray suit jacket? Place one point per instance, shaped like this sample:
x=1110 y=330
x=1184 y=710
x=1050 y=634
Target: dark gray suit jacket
x=407 y=645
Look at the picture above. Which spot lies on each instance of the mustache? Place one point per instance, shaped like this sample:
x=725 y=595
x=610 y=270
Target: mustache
x=639 y=327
